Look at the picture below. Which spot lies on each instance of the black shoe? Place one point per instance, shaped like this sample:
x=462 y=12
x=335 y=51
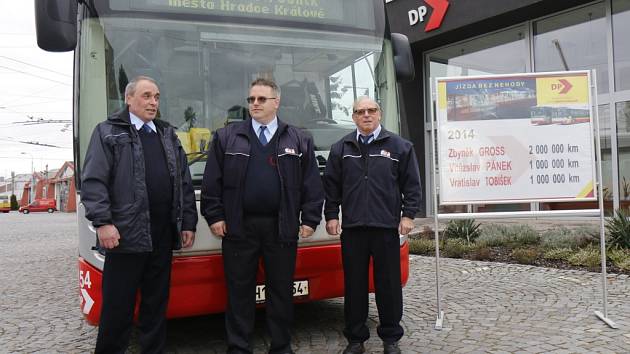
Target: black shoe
x=391 y=348
x=354 y=348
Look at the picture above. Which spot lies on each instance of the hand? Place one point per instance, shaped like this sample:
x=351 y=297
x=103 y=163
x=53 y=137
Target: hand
x=108 y=236
x=333 y=227
x=405 y=226
x=306 y=231
x=188 y=238
x=219 y=228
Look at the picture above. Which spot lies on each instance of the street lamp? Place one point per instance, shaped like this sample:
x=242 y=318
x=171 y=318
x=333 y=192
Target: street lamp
x=30 y=195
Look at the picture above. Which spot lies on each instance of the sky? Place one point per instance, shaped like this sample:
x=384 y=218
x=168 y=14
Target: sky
x=35 y=96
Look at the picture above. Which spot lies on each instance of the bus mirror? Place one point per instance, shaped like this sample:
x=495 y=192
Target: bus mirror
x=56 y=24
x=403 y=60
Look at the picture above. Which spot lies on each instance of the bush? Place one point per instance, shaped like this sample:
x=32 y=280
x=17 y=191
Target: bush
x=465 y=229
x=586 y=257
x=523 y=235
x=590 y=234
x=481 y=254
x=525 y=255
x=456 y=248
x=562 y=237
x=618 y=228
x=493 y=235
x=620 y=258
x=422 y=246
x=558 y=254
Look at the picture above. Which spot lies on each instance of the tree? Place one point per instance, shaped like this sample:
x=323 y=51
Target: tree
x=337 y=90
x=122 y=81
x=190 y=116
x=14 y=203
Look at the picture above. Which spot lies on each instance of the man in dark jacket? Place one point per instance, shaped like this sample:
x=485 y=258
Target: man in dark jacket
x=373 y=175
x=261 y=189
x=137 y=191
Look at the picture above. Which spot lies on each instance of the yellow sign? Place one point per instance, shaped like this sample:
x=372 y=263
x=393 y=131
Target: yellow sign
x=442 y=95
x=184 y=139
x=199 y=139
x=560 y=90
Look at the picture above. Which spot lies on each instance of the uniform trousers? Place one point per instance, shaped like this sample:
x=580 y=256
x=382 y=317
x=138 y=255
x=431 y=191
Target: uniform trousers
x=241 y=257
x=123 y=275
x=358 y=245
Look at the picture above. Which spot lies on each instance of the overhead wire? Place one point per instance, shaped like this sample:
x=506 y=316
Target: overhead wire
x=26 y=96
x=36 y=66
x=37 y=76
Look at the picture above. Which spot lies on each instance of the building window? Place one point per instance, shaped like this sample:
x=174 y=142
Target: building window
x=574 y=40
x=498 y=53
x=621 y=28
x=623 y=142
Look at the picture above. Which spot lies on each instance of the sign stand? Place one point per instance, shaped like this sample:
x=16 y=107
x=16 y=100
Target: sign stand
x=565 y=86
x=439 y=322
x=602 y=234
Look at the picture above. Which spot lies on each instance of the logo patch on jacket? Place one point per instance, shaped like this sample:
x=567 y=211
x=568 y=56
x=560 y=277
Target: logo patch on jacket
x=289 y=151
x=386 y=153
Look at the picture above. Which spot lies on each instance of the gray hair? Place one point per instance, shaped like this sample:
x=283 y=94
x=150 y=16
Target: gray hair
x=364 y=98
x=130 y=89
x=267 y=82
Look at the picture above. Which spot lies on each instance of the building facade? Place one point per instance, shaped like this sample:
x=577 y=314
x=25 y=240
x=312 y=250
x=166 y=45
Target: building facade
x=55 y=184
x=485 y=37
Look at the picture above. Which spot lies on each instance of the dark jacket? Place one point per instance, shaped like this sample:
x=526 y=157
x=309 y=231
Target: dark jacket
x=113 y=188
x=301 y=192
x=372 y=190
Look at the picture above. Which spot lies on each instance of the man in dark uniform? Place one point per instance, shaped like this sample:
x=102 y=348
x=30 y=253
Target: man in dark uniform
x=261 y=189
x=372 y=174
x=137 y=191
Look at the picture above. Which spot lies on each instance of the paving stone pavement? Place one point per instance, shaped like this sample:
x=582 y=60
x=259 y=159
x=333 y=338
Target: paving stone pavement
x=489 y=307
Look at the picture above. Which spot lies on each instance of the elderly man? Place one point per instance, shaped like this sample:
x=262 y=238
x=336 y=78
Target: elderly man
x=372 y=174
x=137 y=191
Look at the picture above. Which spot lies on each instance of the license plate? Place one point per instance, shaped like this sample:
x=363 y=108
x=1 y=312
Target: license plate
x=300 y=288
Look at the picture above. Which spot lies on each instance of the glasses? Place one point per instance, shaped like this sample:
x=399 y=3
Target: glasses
x=261 y=99
x=362 y=112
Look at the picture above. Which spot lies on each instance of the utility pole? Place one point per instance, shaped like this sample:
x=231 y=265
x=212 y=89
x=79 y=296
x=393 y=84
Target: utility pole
x=46 y=184
x=31 y=196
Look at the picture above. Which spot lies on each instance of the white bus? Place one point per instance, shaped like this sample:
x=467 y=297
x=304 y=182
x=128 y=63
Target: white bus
x=204 y=54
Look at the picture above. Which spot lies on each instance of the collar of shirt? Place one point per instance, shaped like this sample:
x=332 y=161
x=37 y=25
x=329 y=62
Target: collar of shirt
x=376 y=132
x=271 y=128
x=138 y=123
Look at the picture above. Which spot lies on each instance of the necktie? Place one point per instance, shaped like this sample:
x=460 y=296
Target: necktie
x=145 y=128
x=366 y=139
x=261 y=136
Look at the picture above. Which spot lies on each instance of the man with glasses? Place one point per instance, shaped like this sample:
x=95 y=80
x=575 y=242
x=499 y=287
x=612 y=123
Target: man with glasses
x=372 y=175
x=261 y=189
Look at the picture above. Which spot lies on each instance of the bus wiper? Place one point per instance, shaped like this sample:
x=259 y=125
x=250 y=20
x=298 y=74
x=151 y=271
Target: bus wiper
x=198 y=156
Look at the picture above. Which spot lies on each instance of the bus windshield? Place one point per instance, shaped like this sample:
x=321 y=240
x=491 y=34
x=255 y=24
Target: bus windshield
x=204 y=69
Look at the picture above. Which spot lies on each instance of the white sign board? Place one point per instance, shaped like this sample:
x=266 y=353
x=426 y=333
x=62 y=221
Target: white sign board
x=515 y=138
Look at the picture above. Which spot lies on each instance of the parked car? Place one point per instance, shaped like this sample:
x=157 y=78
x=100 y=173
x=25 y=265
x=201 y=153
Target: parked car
x=49 y=205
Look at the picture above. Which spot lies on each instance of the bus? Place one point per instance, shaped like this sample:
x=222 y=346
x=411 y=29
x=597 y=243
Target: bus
x=5 y=204
x=545 y=115
x=204 y=53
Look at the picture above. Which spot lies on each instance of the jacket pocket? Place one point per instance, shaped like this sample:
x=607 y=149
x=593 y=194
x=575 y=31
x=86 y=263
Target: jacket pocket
x=123 y=178
x=120 y=145
x=290 y=163
x=233 y=169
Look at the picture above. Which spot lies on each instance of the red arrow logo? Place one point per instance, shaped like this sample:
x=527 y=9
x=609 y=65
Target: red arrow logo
x=439 y=10
x=566 y=86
